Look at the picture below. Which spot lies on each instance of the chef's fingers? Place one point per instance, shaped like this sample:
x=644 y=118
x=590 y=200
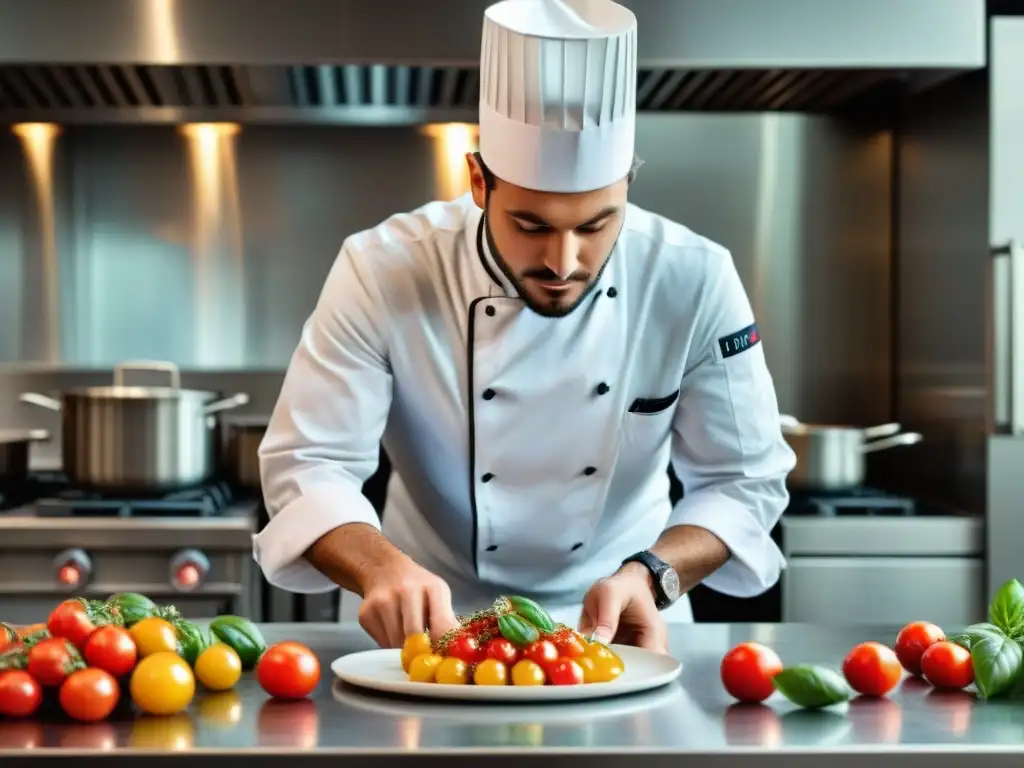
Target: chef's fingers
x=602 y=607
x=413 y=619
x=440 y=615
x=653 y=632
x=391 y=616
x=370 y=621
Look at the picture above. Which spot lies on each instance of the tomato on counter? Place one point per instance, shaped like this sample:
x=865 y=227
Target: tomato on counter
x=747 y=672
x=163 y=684
x=913 y=640
x=20 y=694
x=51 y=661
x=111 y=649
x=288 y=670
x=71 y=621
x=89 y=695
x=218 y=667
x=872 y=669
x=947 y=666
x=154 y=635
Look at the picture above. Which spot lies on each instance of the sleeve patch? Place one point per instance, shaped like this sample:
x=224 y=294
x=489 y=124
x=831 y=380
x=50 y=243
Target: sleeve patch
x=740 y=341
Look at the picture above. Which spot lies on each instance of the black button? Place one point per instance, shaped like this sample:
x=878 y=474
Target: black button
x=488 y=476
x=589 y=470
x=577 y=545
x=489 y=394
x=602 y=389
x=489 y=311
x=612 y=292
x=492 y=547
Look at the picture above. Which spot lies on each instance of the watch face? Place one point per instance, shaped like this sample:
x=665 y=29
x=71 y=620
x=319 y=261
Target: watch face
x=670 y=584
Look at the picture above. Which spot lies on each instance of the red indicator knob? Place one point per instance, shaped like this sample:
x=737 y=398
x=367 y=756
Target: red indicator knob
x=188 y=575
x=69 y=575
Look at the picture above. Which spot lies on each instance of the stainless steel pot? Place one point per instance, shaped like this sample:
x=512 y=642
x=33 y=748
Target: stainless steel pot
x=831 y=458
x=239 y=444
x=15 y=446
x=135 y=438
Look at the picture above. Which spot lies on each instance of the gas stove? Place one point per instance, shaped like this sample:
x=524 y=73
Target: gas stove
x=191 y=547
x=850 y=502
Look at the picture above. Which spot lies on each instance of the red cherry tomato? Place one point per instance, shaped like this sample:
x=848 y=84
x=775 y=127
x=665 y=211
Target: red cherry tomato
x=913 y=640
x=466 y=648
x=872 y=669
x=565 y=672
x=20 y=694
x=501 y=650
x=288 y=670
x=71 y=621
x=51 y=661
x=569 y=645
x=541 y=652
x=111 y=649
x=747 y=671
x=89 y=695
x=947 y=666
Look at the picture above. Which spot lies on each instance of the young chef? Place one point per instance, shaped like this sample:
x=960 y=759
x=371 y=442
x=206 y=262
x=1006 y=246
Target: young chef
x=532 y=356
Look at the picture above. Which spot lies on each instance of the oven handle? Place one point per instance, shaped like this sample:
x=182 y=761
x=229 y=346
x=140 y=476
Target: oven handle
x=1007 y=363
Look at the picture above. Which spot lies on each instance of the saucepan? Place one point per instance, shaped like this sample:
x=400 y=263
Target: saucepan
x=15 y=446
x=238 y=450
x=831 y=457
x=136 y=438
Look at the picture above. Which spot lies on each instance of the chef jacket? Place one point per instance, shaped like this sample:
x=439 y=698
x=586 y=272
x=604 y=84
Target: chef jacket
x=529 y=454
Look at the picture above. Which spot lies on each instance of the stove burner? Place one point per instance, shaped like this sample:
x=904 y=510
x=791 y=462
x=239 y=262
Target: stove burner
x=203 y=501
x=860 y=502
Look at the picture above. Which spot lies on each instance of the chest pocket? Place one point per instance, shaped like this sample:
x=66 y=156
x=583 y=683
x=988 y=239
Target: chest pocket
x=648 y=423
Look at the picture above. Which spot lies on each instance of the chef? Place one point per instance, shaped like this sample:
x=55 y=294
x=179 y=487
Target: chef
x=531 y=356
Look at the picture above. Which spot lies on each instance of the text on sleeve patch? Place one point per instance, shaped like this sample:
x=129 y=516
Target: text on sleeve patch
x=740 y=341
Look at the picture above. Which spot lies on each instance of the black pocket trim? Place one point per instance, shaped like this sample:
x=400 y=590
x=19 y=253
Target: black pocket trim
x=649 y=405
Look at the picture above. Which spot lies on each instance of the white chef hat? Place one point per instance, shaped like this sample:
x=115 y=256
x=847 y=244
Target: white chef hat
x=558 y=93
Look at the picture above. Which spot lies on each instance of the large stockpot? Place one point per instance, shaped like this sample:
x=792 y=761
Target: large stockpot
x=831 y=458
x=135 y=438
x=239 y=444
x=15 y=447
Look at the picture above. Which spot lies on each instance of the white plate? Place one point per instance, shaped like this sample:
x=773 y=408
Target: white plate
x=381 y=670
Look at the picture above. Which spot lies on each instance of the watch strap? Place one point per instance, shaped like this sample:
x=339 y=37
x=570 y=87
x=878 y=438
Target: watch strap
x=657 y=567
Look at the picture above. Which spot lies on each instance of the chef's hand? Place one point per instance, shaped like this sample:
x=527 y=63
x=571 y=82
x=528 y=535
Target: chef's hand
x=620 y=609
x=404 y=600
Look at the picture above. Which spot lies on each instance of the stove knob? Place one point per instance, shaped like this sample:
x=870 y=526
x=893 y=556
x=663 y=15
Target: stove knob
x=188 y=570
x=73 y=568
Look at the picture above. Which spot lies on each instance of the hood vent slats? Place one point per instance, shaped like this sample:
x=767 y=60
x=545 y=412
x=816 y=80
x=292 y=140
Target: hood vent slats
x=73 y=92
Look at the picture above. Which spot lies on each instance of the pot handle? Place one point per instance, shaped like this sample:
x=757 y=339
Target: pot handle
x=33 y=398
x=882 y=430
x=907 y=438
x=147 y=365
x=788 y=423
x=226 y=404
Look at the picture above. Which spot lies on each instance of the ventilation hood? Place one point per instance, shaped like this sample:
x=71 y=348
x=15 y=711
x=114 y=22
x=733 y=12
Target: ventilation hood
x=409 y=61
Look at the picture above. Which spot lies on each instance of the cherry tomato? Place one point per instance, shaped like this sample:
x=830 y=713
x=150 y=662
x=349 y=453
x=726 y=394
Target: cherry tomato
x=542 y=652
x=111 y=649
x=71 y=621
x=872 y=669
x=464 y=647
x=490 y=672
x=747 y=671
x=415 y=645
x=604 y=669
x=452 y=671
x=218 y=667
x=89 y=695
x=569 y=645
x=288 y=670
x=154 y=635
x=913 y=640
x=20 y=694
x=565 y=672
x=51 y=661
x=163 y=684
x=501 y=650
x=423 y=668
x=947 y=666
x=526 y=672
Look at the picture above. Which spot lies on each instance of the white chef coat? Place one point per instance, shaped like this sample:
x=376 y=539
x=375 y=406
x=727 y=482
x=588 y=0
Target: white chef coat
x=528 y=453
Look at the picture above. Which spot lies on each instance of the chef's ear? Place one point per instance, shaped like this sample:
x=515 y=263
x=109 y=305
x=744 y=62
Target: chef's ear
x=481 y=180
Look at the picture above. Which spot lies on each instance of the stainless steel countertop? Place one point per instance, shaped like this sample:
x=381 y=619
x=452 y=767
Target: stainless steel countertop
x=692 y=719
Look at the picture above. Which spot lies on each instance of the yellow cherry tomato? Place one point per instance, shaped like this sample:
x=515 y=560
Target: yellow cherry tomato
x=218 y=667
x=490 y=672
x=600 y=651
x=162 y=684
x=452 y=671
x=415 y=645
x=589 y=669
x=605 y=670
x=154 y=635
x=423 y=668
x=527 y=672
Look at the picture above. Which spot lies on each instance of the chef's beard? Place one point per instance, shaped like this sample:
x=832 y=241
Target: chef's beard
x=552 y=307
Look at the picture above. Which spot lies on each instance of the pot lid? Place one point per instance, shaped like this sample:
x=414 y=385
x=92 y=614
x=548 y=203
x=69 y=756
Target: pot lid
x=114 y=392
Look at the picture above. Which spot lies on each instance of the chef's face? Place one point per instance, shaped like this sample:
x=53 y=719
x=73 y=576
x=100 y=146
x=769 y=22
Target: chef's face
x=551 y=246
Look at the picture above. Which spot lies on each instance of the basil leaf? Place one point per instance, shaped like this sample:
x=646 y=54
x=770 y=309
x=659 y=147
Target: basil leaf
x=997 y=661
x=973 y=634
x=1007 y=608
x=812 y=686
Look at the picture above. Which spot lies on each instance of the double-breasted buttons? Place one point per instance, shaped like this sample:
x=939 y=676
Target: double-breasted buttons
x=612 y=293
x=492 y=547
x=602 y=388
x=589 y=471
x=487 y=477
x=489 y=310
x=577 y=545
x=489 y=394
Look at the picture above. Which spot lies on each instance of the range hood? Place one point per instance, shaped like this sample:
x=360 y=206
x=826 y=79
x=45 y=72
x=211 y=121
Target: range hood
x=409 y=61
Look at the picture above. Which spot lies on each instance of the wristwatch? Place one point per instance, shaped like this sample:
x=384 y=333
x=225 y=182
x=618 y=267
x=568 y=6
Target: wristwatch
x=664 y=577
